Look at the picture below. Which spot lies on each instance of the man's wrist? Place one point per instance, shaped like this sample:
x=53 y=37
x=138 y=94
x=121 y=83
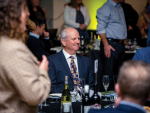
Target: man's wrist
x=106 y=44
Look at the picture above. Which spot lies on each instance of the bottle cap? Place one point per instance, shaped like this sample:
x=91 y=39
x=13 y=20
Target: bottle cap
x=66 y=79
x=86 y=88
x=99 y=37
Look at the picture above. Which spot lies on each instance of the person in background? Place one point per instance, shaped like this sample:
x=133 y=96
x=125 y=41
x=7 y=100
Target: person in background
x=37 y=12
x=143 y=26
x=67 y=62
x=131 y=18
x=146 y=13
x=30 y=26
x=76 y=15
x=24 y=82
x=133 y=88
x=112 y=30
x=34 y=43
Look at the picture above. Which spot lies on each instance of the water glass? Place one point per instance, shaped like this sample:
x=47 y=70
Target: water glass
x=80 y=86
x=105 y=84
x=73 y=96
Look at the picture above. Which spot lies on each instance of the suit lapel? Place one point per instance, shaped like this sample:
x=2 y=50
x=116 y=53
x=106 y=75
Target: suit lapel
x=65 y=64
x=79 y=65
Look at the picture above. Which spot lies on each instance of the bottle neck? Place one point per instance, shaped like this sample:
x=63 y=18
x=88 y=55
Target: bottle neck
x=66 y=86
x=95 y=89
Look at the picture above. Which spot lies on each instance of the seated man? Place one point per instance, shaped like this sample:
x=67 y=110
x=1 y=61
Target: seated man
x=143 y=55
x=34 y=43
x=67 y=62
x=133 y=88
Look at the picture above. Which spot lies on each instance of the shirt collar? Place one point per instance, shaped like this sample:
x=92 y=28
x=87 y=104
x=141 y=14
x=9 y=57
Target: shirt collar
x=35 y=35
x=114 y=4
x=133 y=105
x=68 y=55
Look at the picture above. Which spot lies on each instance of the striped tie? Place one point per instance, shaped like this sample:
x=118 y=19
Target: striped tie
x=74 y=71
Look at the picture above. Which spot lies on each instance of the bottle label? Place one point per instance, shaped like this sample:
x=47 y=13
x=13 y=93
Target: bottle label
x=96 y=106
x=67 y=107
x=86 y=109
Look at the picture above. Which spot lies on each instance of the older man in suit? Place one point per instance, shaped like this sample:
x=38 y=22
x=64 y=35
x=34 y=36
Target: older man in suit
x=133 y=88
x=67 y=62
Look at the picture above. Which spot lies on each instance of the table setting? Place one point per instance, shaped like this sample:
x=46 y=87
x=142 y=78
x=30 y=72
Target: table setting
x=53 y=102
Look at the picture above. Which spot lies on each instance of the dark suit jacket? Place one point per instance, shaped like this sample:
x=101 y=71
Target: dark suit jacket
x=37 y=47
x=142 y=55
x=58 y=68
x=120 y=109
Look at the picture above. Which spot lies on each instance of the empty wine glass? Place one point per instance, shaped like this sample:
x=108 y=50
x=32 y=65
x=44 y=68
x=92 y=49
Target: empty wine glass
x=80 y=86
x=105 y=84
x=45 y=104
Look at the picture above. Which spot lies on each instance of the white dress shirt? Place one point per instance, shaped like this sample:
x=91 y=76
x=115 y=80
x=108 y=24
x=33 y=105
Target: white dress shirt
x=69 y=60
x=37 y=36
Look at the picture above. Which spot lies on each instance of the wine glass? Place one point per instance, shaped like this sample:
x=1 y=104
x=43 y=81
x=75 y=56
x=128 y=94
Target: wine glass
x=45 y=104
x=105 y=84
x=80 y=86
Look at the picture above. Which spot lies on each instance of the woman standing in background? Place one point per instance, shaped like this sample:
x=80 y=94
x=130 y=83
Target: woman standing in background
x=76 y=15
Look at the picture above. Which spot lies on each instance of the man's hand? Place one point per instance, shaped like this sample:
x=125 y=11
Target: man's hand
x=107 y=50
x=44 y=63
x=83 y=27
x=130 y=27
x=46 y=34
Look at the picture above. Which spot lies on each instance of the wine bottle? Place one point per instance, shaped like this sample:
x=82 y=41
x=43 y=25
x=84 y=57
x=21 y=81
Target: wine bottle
x=66 y=105
x=86 y=100
x=95 y=99
x=91 y=40
x=82 y=47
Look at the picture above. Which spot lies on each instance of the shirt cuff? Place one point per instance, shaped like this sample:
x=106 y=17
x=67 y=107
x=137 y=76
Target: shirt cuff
x=47 y=38
x=101 y=32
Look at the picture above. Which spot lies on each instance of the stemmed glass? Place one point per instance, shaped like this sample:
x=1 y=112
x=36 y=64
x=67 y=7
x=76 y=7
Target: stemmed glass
x=80 y=86
x=45 y=104
x=105 y=84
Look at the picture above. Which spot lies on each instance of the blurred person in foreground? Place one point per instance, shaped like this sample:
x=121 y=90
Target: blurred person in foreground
x=24 y=82
x=68 y=62
x=34 y=43
x=112 y=30
x=76 y=15
x=133 y=88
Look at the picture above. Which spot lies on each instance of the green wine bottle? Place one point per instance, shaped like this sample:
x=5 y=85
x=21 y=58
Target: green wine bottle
x=66 y=105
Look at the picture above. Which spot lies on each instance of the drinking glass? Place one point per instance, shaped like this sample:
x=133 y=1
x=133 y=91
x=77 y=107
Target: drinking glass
x=80 y=86
x=105 y=84
x=45 y=104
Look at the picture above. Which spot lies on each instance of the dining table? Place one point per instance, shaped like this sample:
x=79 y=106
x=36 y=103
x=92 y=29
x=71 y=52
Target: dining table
x=76 y=107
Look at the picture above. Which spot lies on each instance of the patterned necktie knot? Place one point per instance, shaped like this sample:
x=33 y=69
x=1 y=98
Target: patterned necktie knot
x=71 y=57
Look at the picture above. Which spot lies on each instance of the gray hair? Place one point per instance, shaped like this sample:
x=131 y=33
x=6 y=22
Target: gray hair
x=63 y=35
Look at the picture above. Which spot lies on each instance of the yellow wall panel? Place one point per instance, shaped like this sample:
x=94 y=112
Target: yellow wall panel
x=92 y=6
